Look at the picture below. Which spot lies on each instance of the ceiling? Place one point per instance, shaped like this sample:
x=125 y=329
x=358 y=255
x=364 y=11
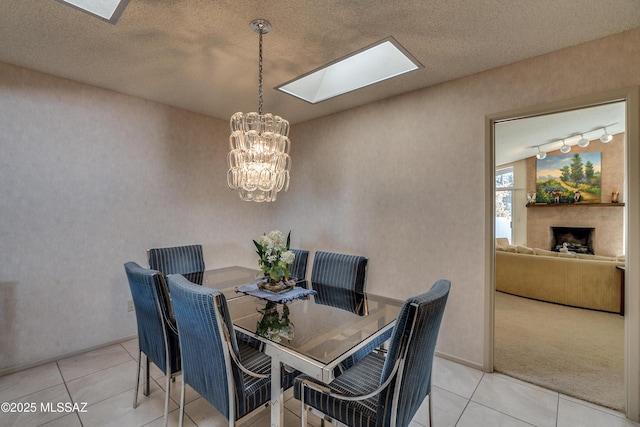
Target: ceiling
x=200 y=55
x=519 y=139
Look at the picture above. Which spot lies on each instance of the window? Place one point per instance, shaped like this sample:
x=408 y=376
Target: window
x=504 y=203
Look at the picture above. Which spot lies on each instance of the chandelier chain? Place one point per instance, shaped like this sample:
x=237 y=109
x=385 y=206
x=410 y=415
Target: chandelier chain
x=260 y=71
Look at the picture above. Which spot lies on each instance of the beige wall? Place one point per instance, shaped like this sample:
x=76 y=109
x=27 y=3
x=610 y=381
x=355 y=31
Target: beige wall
x=91 y=178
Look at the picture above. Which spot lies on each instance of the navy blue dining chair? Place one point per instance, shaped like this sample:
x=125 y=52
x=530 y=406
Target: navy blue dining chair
x=333 y=274
x=186 y=260
x=157 y=333
x=299 y=267
x=233 y=376
x=381 y=391
x=339 y=270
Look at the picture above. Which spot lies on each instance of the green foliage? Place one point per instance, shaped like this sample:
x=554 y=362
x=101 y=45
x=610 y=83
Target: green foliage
x=577 y=172
x=588 y=170
x=273 y=325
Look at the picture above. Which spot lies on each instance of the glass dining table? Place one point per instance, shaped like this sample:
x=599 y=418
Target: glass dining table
x=326 y=329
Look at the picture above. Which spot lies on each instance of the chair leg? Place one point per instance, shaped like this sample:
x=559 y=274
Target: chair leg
x=146 y=376
x=303 y=409
x=166 y=397
x=430 y=411
x=181 y=403
x=135 y=392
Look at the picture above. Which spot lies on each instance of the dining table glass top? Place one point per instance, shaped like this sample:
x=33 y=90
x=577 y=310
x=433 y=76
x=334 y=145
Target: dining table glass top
x=227 y=278
x=321 y=331
x=326 y=326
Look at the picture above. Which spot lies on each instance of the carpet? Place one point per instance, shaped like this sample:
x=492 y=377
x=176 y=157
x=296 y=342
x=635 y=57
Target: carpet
x=573 y=351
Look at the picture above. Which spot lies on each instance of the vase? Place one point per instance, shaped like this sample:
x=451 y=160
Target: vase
x=271 y=285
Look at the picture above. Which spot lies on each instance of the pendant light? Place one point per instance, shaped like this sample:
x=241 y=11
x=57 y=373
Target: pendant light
x=259 y=160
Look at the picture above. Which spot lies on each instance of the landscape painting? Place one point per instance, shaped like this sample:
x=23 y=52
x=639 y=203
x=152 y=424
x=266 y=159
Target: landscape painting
x=569 y=178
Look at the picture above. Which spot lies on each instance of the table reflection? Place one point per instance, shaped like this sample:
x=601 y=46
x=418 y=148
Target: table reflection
x=275 y=323
x=345 y=299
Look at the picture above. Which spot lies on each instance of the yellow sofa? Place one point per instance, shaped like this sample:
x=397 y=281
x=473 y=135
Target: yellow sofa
x=584 y=281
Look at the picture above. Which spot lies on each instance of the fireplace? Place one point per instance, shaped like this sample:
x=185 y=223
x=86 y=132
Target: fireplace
x=577 y=239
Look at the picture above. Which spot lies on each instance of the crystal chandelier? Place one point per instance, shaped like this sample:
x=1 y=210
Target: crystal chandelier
x=259 y=160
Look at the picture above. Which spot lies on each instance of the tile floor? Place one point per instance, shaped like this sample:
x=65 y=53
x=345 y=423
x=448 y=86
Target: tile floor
x=104 y=380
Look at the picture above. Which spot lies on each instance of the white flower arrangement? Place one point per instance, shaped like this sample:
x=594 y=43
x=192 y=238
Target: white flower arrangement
x=275 y=257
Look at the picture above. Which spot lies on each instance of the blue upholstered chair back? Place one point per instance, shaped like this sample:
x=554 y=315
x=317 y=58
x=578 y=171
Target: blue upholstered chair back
x=299 y=267
x=339 y=270
x=416 y=332
x=185 y=260
x=148 y=290
x=205 y=355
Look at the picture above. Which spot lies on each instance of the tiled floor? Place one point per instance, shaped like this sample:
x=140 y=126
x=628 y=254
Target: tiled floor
x=103 y=379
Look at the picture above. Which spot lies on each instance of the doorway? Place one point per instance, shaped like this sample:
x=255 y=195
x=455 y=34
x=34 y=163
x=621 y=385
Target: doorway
x=631 y=235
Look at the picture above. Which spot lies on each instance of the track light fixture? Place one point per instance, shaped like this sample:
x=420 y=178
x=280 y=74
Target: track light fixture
x=541 y=154
x=583 y=141
x=565 y=148
x=606 y=137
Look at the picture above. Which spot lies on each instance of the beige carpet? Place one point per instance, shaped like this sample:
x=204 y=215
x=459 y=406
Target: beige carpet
x=573 y=351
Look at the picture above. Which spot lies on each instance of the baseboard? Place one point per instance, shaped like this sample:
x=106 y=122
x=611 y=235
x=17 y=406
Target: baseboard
x=29 y=365
x=460 y=360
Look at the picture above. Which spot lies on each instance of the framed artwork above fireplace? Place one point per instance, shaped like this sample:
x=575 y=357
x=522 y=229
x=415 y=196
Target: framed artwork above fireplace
x=569 y=178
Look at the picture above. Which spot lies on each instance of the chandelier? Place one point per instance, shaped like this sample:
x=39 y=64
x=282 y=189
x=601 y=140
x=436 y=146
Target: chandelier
x=259 y=160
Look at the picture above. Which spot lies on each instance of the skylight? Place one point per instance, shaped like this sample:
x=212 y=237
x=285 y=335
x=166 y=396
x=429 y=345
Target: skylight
x=381 y=61
x=109 y=10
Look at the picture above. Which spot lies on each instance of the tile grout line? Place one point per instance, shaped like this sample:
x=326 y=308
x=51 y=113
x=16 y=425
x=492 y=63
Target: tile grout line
x=66 y=387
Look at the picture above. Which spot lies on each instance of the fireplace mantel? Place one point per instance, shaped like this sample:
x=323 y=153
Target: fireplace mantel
x=574 y=205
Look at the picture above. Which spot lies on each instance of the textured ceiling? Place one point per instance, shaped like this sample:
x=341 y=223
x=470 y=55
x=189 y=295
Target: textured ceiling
x=200 y=55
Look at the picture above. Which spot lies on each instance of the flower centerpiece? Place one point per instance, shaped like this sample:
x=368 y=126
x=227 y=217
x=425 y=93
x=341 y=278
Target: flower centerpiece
x=274 y=325
x=275 y=260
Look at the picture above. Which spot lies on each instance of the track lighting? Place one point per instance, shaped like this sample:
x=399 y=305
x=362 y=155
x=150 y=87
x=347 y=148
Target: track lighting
x=583 y=142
